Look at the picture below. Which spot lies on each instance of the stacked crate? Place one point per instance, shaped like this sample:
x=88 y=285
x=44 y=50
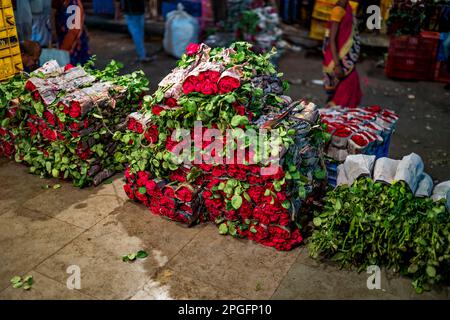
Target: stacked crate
x=10 y=58
x=412 y=57
x=321 y=16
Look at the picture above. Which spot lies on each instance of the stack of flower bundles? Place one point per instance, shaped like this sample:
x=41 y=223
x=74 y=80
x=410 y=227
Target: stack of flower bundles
x=60 y=121
x=218 y=141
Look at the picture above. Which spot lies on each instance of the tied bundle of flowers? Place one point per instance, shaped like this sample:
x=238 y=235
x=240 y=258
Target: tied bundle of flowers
x=358 y=130
x=199 y=115
x=65 y=118
x=179 y=202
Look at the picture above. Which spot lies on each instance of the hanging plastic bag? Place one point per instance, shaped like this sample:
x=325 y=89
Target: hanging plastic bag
x=180 y=30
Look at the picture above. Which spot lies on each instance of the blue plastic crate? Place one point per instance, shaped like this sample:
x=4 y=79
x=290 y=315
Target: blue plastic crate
x=379 y=152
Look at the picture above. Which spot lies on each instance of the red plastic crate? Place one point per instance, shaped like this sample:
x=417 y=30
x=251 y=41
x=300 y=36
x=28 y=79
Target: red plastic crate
x=441 y=72
x=412 y=57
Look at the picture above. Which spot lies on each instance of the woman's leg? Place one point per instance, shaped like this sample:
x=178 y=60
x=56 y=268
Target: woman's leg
x=136 y=27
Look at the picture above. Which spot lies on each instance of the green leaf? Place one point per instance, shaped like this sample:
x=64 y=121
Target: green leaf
x=18 y=285
x=223 y=228
x=317 y=221
x=413 y=268
x=97 y=116
x=16 y=279
x=253 y=229
x=142 y=190
x=131 y=256
x=141 y=254
x=238 y=120
x=236 y=201
x=28 y=280
x=431 y=271
x=286 y=204
x=338 y=205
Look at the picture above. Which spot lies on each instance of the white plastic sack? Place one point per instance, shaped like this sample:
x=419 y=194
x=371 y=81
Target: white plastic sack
x=385 y=169
x=425 y=186
x=341 y=176
x=410 y=170
x=356 y=166
x=442 y=191
x=180 y=30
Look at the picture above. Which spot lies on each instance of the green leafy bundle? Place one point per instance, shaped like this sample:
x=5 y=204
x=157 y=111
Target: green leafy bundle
x=369 y=223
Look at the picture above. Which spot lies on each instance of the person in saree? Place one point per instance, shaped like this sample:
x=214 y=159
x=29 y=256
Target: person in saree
x=73 y=39
x=341 y=49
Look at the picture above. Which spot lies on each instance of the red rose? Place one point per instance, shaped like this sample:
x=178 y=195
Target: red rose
x=73 y=126
x=156 y=110
x=138 y=128
x=131 y=124
x=210 y=75
x=128 y=175
x=218 y=171
x=128 y=191
x=75 y=109
x=245 y=211
x=207 y=194
x=374 y=109
x=186 y=208
x=178 y=175
x=152 y=134
x=184 y=194
x=30 y=86
x=240 y=110
x=228 y=84
x=190 y=84
x=254 y=180
x=86 y=123
x=68 y=67
x=142 y=197
x=360 y=140
x=231 y=215
x=169 y=192
x=256 y=193
x=209 y=88
x=171 y=102
x=152 y=188
x=166 y=202
x=49 y=134
x=36 y=96
x=212 y=183
x=192 y=49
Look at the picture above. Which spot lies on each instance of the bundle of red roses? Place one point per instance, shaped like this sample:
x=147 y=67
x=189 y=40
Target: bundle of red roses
x=65 y=118
x=225 y=89
x=178 y=202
